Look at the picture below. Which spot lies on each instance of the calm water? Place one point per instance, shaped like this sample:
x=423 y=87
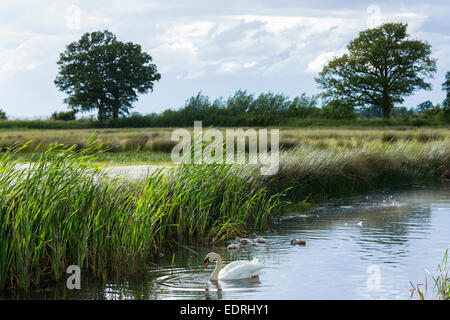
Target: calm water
x=365 y=247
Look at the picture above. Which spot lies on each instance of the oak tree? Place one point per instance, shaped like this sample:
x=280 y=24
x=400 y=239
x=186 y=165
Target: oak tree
x=382 y=66
x=98 y=72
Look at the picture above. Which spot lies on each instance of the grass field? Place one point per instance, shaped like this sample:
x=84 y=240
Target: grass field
x=152 y=145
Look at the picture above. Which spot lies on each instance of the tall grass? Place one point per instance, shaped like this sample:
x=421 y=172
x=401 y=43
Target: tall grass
x=62 y=210
x=321 y=173
x=158 y=139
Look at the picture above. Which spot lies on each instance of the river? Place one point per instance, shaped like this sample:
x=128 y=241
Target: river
x=365 y=247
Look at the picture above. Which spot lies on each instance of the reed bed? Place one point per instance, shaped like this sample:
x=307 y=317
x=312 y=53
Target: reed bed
x=322 y=173
x=63 y=210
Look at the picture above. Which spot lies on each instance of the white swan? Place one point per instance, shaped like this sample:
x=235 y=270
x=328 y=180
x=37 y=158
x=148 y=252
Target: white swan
x=233 y=271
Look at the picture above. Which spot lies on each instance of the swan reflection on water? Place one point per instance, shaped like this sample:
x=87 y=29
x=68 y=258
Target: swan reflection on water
x=215 y=288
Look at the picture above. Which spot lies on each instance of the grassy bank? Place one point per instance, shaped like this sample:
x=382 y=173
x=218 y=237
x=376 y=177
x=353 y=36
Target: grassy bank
x=319 y=174
x=62 y=211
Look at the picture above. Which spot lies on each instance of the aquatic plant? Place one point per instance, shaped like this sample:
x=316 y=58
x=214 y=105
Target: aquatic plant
x=441 y=282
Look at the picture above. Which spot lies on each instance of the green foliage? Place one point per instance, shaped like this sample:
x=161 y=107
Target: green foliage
x=63 y=115
x=3 y=115
x=433 y=112
x=381 y=67
x=427 y=105
x=335 y=109
x=99 y=72
x=446 y=102
x=240 y=109
x=446 y=89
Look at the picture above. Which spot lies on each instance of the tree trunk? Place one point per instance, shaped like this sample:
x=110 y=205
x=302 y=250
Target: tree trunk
x=115 y=108
x=386 y=106
x=100 y=114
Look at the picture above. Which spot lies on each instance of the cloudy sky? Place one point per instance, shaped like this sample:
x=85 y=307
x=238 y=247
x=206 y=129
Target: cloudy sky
x=213 y=46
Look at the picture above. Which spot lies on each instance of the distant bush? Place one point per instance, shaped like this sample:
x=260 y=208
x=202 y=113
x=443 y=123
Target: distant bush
x=337 y=110
x=63 y=115
x=3 y=115
x=249 y=110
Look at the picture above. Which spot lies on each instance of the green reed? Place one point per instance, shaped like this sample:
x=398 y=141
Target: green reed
x=61 y=209
x=323 y=173
x=441 y=282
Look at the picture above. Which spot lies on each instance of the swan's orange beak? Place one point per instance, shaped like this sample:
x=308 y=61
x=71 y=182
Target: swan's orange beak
x=206 y=262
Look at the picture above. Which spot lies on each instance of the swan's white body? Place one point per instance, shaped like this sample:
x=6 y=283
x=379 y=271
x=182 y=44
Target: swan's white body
x=235 y=270
x=240 y=270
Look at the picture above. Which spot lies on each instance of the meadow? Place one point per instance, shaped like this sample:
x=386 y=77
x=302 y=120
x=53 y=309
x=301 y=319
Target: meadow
x=152 y=145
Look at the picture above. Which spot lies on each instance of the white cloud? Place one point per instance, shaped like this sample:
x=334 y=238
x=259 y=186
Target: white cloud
x=248 y=65
x=227 y=67
x=317 y=64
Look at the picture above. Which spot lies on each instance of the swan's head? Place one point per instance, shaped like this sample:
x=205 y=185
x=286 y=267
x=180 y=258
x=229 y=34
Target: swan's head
x=210 y=257
x=293 y=241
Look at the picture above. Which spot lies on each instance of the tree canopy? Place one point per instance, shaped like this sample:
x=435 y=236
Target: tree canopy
x=98 y=72
x=381 y=67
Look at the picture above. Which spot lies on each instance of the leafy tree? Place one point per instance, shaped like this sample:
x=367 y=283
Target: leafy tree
x=99 y=72
x=446 y=88
x=381 y=67
x=402 y=113
x=240 y=102
x=432 y=113
x=63 y=115
x=269 y=104
x=427 y=105
x=3 y=115
x=335 y=109
x=303 y=106
x=198 y=103
x=446 y=103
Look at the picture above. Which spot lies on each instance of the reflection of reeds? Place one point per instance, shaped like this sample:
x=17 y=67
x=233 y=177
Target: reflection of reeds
x=62 y=210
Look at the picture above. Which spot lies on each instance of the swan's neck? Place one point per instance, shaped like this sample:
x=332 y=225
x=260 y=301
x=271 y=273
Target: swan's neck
x=215 y=273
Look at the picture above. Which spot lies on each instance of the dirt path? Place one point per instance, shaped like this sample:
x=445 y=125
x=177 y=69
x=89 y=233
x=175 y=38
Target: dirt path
x=138 y=172
x=131 y=173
